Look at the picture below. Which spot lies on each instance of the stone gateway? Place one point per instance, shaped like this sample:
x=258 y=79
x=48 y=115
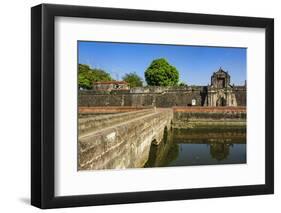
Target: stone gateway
x=220 y=92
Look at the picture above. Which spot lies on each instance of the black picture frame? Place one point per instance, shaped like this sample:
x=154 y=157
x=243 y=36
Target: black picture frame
x=43 y=102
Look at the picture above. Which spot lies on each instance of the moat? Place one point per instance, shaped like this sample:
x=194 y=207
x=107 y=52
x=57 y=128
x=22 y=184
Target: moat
x=190 y=147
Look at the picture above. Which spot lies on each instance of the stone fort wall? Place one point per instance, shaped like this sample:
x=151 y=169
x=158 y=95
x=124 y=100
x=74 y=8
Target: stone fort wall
x=241 y=95
x=153 y=96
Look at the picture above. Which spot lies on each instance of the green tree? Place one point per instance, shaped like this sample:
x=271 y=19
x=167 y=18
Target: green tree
x=84 y=79
x=86 y=76
x=182 y=84
x=161 y=73
x=133 y=80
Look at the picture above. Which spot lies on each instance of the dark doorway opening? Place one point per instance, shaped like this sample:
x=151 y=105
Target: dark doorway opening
x=221 y=102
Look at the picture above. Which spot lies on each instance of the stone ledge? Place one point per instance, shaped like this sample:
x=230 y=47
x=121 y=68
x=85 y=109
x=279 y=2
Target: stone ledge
x=95 y=123
x=121 y=142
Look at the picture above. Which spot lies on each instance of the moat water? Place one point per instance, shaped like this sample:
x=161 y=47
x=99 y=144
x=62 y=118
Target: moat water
x=190 y=147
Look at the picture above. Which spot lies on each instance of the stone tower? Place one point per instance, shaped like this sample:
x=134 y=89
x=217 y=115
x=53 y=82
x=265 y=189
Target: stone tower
x=220 y=92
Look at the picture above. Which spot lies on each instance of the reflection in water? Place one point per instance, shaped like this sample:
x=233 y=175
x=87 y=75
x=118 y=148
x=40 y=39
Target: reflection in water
x=219 y=151
x=184 y=147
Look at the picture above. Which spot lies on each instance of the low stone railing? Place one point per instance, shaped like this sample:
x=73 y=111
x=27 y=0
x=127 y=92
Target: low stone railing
x=124 y=145
x=202 y=117
x=94 y=123
x=207 y=109
x=84 y=111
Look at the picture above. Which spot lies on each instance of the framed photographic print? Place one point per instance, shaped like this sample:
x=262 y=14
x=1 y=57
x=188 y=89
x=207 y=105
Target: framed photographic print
x=140 y=106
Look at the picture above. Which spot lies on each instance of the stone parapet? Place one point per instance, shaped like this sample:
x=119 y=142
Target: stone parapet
x=209 y=117
x=123 y=145
x=94 y=123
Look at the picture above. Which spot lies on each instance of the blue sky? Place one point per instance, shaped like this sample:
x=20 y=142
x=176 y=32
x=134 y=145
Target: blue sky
x=194 y=63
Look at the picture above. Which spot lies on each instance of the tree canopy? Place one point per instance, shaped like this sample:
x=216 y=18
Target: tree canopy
x=161 y=73
x=133 y=80
x=182 y=84
x=86 y=76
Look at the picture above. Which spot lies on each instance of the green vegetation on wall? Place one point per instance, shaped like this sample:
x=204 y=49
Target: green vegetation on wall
x=133 y=80
x=87 y=75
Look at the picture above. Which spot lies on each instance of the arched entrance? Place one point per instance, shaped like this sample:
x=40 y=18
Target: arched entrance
x=221 y=101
